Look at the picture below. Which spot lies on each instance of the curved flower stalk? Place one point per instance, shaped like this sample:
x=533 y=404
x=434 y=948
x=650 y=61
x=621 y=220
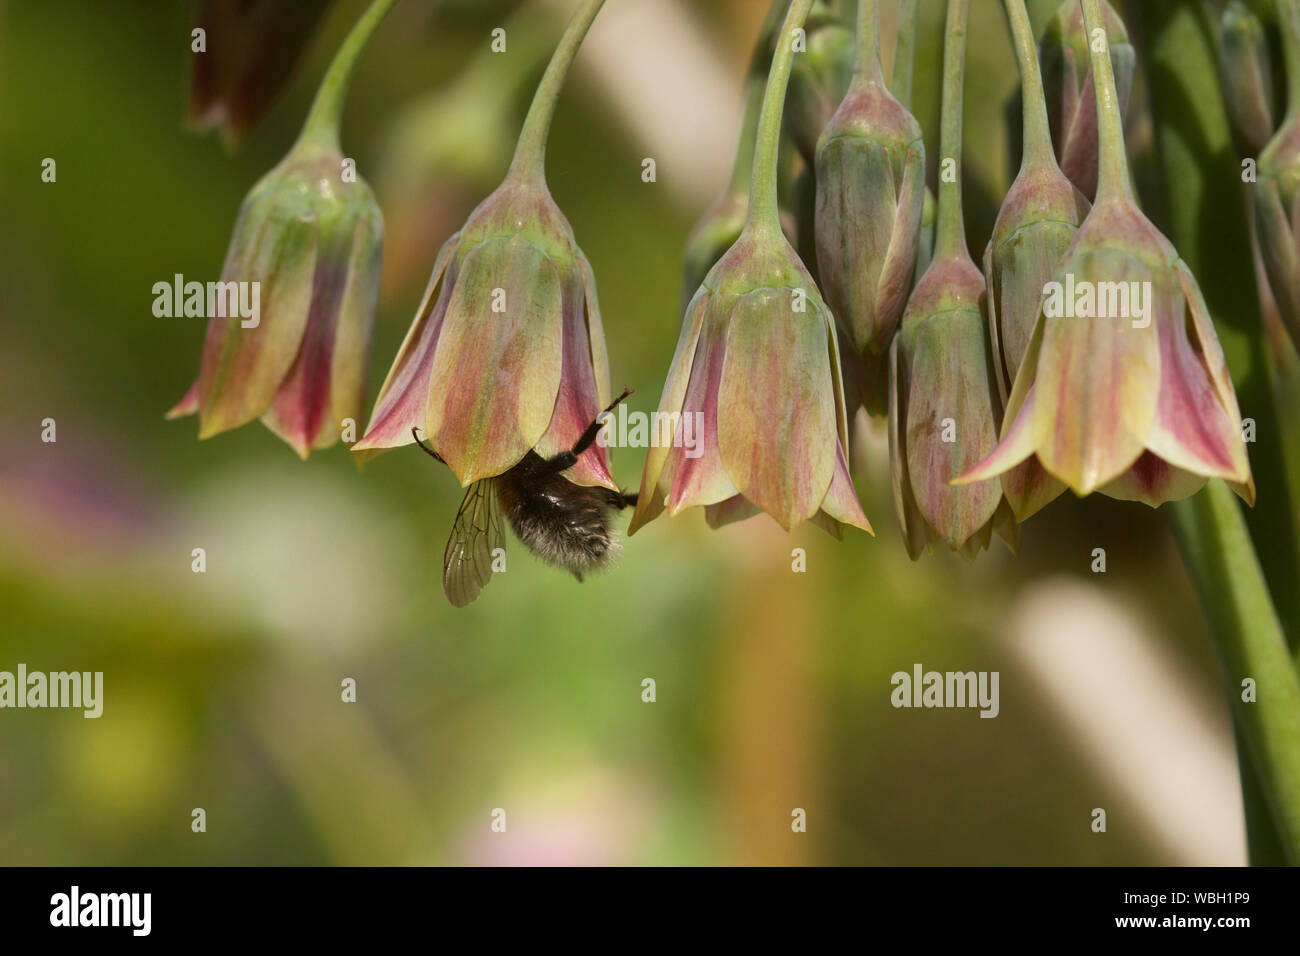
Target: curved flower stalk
x=1068 y=78
x=943 y=410
x=1277 y=193
x=1036 y=224
x=506 y=354
x=1133 y=402
x=870 y=199
x=250 y=52
x=308 y=240
x=757 y=365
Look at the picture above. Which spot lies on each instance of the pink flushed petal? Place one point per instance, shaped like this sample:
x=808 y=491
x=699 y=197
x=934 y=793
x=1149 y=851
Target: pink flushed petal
x=701 y=480
x=841 y=503
x=650 y=502
x=1206 y=373
x=1191 y=430
x=578 y=401
x=495 y=375
x=736 y=508
x=1154 y=481
x=300 y=410
x=1097 y=380
x=1016 y=445
x=188 y=405
x=405 y=391
x=777 y=425
x=916 y=535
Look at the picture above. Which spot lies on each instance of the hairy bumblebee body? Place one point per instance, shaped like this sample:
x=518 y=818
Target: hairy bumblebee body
x=564 y=524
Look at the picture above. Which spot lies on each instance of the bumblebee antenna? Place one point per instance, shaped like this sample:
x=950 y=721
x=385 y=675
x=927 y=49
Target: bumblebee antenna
x=425 y=448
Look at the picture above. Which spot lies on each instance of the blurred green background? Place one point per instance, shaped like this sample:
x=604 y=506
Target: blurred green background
x=222 y=689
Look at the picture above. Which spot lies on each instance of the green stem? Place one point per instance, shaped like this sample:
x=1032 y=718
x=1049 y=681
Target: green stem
x=951 y=229
x=1112 y=164
x=905 y=53
x=867 y=67
x=322 y=126
x=530 y=154
x=1221 y=561
x=1037 y=135
x=1288 y=18
x=763 y=214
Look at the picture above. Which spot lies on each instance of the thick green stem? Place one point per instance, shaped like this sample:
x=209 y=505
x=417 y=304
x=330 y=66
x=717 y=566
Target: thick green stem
x=1037 y=134
x=530 y=153
x=1112 y=165
x=904 y=53
x=867 y=68
x=1288 y=18
x=1221 y=561
x=322 y=126
x=763 y=212
x=950 y=239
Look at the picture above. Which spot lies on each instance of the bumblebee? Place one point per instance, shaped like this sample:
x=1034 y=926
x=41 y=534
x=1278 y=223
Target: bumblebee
x=565 y=524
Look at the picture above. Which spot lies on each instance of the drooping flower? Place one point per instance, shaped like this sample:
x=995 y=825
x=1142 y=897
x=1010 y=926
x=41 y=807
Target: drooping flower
x=943 y=407
x=757 y=365
x=1068 y=79
x=308 y=240
x=249 y=50
x=1123 y=389
x=506 y=354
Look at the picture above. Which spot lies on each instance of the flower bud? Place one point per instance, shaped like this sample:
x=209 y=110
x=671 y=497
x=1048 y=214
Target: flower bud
x=943 y=415
x=1067 y=77
x=309 y=242
x=1245 y=70
x=870 y=200
x=819 y=79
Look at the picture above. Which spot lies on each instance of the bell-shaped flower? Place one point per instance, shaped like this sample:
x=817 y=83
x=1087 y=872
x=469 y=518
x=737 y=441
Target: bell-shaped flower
x=754 y=394
x=306 y=246
x=506 y=354
x=1123 y=388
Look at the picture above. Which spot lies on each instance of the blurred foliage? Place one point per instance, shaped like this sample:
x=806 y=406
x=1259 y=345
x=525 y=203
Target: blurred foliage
x=223 y=689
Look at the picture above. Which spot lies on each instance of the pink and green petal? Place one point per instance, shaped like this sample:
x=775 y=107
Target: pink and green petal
x=495 y=375
x=776 y=411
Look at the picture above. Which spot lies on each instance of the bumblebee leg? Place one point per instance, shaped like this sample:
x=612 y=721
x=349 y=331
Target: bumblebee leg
x=425 y=448
x=628 y=499
x=567 y=459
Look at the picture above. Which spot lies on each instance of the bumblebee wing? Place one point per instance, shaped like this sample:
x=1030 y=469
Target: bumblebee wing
x=476 y=533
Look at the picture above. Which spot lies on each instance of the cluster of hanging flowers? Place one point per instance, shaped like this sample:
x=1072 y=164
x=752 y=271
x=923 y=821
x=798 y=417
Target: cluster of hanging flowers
x=1003 y=385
